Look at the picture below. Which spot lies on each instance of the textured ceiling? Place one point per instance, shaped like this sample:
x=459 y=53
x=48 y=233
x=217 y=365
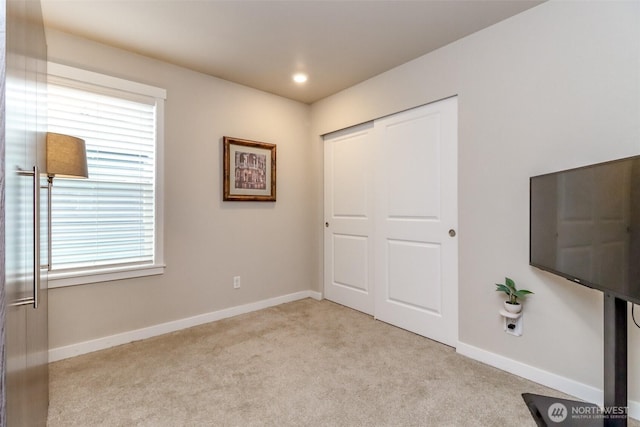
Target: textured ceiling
x=260 y=44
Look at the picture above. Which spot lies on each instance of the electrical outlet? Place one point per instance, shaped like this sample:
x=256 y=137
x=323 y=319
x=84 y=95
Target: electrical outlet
x=513 y=326
x=236 y=282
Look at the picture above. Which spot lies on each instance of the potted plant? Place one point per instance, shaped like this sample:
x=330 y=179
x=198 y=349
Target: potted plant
x=509 y=288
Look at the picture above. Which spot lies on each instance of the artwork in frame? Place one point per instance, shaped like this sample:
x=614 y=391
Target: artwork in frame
x=249 y=170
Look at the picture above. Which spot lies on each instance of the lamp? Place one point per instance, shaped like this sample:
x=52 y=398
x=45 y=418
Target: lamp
x=66 y=158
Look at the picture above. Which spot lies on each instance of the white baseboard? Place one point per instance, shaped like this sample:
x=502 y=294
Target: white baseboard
x=548 y=379
x=77 y=349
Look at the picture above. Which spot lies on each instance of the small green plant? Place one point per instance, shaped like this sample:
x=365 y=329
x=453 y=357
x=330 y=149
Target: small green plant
x=509 y=288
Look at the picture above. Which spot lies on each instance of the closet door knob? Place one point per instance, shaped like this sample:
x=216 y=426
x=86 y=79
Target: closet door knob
x=452 y=233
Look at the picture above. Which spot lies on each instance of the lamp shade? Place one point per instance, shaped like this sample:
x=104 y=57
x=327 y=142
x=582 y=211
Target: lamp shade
x=66 y=156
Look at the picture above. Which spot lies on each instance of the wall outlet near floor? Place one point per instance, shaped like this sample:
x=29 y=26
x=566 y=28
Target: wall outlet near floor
x=512 y=322
x=513 y=326
x=236 y=282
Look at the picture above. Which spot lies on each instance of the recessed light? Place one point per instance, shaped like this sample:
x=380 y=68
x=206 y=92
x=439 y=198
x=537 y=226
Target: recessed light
x=300 y=77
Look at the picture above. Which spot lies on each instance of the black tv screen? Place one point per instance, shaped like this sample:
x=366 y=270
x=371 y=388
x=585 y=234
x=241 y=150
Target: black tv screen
x=585 y=226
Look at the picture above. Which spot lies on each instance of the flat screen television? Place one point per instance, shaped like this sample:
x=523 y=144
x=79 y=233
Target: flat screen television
x=585 y=226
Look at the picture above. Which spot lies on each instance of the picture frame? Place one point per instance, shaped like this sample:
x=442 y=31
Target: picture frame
x=249 y=170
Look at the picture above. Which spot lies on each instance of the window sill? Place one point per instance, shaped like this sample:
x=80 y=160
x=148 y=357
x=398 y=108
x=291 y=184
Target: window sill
x=60 y=280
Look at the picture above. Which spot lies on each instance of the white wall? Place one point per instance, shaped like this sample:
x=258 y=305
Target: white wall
x=207 y=241
x=555 y=87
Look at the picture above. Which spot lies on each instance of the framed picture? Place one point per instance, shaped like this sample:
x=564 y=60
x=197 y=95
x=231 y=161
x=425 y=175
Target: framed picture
x=249 y=170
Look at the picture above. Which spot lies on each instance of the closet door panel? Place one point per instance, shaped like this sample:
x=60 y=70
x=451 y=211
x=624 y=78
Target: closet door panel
x=348 y=244
x=416 y=207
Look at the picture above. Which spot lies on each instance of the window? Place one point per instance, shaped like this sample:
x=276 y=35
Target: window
x=109 y=226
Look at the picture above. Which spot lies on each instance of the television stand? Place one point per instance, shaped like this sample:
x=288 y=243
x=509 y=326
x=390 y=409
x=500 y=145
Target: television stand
x=615 y=355
x=548 y=411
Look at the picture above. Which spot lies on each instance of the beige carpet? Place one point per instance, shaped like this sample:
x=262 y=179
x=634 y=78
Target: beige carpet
x=305 y=363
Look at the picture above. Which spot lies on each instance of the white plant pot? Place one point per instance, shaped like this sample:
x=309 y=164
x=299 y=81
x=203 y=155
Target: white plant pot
x=513 y=308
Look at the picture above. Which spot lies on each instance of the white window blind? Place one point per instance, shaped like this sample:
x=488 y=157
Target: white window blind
x=110 y=219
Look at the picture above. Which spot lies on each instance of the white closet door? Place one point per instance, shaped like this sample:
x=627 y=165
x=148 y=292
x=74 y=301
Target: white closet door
x=390 y=203
x=348 y=245
x=416 y=250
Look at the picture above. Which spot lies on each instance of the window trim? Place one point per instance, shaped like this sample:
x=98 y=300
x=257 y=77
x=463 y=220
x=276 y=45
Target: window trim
x=81 y=277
